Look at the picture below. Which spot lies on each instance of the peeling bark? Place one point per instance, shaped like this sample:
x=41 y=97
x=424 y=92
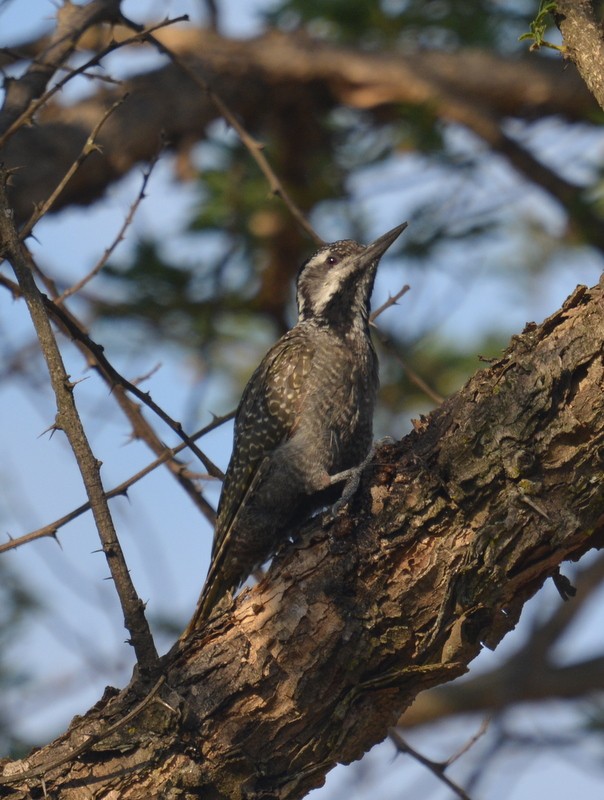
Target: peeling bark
x=454 y=528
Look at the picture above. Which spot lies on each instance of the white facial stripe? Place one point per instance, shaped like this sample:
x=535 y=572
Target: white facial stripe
x=328 y=289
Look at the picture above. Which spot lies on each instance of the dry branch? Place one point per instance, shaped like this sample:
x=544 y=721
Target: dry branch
x=121 y=388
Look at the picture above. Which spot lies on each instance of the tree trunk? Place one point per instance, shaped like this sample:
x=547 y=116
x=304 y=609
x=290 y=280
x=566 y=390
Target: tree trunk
x=454 y=528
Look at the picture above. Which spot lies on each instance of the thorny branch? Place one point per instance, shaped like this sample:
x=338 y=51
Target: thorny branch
x=120 y=386
x=117 y=239
x=69 y=421
x=416 y=379
x=89 y=147
x=436 y=768
x=72 y=22
x=52 y=528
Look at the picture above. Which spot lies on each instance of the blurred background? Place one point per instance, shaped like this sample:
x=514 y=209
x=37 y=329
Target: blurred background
x=370 y=113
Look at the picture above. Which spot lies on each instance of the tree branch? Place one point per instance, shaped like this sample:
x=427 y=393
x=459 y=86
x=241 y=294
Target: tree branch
x=529 y=675
x=584 y=42
x=30 y=109
x=68 y=420
x=254 y=148
x=167 y=455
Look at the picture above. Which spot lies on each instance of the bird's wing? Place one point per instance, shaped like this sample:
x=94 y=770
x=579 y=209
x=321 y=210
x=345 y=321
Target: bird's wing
x=266 y=417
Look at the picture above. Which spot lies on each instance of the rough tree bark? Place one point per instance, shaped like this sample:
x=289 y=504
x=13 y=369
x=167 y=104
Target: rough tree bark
x=454 y=528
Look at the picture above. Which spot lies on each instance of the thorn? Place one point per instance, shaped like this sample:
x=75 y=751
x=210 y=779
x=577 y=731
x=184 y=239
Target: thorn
x=536 y=507
x=52 y=428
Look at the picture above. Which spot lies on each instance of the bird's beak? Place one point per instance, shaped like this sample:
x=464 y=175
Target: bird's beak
x=375 y=250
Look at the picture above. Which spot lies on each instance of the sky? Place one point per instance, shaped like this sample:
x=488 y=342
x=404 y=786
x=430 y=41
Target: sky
x=79 y=631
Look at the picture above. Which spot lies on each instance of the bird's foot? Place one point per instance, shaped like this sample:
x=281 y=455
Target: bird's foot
x=352 y=477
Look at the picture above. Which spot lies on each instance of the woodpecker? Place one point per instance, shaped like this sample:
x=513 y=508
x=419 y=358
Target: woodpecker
x=304 y=423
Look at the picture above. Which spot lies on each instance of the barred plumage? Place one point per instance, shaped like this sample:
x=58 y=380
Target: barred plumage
x=305 y=419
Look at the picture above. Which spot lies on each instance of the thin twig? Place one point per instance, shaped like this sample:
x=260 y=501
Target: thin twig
x=253 y=147
x=96 y=350
x=89 y=147
x=391 y=301
x=410 y=373
x=387 y=342
x=69 y=421
x=141 y=428
x=120 y=235
x=71 y=22
x=435 y=767
x=484 y=726
x=52 y=528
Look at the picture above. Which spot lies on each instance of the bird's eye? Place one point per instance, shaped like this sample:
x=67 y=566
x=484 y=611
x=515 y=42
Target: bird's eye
x=332 y=260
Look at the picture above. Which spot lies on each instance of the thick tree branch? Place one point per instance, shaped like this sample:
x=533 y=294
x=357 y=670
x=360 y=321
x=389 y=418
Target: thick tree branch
x=454 y=528
x=530 y=675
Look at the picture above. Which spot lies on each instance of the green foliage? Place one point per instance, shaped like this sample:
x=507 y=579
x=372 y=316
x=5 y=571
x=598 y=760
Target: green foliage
x=539 y=26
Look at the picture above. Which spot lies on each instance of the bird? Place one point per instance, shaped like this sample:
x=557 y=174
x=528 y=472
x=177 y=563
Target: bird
x=304 y=424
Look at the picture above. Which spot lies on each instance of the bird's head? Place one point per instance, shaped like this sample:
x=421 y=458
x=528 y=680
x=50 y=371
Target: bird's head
x=334 y=285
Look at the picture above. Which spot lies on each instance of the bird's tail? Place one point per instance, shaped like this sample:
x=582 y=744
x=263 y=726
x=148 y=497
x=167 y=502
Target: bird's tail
x=214 y=589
